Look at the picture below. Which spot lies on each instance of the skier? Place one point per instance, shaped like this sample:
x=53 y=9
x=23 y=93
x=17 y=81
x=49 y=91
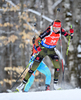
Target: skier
x=41 y=68
x=45 y=44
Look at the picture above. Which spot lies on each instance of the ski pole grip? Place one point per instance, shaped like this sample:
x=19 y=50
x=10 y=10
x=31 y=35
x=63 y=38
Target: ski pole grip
x=71 y=26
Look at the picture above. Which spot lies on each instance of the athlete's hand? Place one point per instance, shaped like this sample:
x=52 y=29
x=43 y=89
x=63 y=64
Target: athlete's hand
x=71 y=30
x=38 y=48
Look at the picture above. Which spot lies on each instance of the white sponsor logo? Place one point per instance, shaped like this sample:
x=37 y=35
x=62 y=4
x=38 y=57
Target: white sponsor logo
x=53 y=41
x=54 y=37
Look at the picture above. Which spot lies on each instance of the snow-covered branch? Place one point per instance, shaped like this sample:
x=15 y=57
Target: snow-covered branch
x=9 y=1
x=39 y=14
x=33 y=11
x=1 y=10
x=56 y=4
x=1 y=32
x=31 y=27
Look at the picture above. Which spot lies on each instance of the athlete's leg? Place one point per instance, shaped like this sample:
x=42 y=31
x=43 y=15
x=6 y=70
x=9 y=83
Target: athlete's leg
x=30 y=82
x=36 y=63
x=55 y=60
x=45 y=70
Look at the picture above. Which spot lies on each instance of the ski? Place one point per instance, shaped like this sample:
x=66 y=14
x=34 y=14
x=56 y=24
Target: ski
x=10 y=91
x=13 y=91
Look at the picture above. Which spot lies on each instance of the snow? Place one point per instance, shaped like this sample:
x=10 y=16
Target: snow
x=69 y=14
x=79 y=55
x=79 y=48
x=71 y=94
x=80 y=41
x=79 y=51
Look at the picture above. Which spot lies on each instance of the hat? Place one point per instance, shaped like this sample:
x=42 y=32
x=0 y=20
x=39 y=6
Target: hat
x=57 y=24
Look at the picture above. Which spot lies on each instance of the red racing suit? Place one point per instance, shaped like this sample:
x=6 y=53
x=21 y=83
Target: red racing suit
x=50 y=39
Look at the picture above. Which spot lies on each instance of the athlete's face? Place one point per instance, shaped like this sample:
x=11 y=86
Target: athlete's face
x=56 y=29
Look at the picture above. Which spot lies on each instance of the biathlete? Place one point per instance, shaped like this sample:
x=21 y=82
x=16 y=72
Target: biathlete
x=41 y=68
x=49 y=39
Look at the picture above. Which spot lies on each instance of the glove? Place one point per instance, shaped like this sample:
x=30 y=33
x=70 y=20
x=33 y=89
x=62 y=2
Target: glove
x=71 y=34
x=71 y=30
x=38 y=48
x=33 y=40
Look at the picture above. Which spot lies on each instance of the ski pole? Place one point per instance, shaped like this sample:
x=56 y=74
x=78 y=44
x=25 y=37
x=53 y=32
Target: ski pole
x=24 y=70
x=58 y=9
x=67 y=49
x=62 y=58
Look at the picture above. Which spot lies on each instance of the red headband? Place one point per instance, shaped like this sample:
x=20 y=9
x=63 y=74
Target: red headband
x=57 y=24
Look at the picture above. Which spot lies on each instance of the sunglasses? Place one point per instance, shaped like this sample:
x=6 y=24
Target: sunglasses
x=55 y=28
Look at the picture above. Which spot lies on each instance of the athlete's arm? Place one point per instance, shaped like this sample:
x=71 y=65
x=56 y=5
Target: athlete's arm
x=42 y=35
x=45 y=33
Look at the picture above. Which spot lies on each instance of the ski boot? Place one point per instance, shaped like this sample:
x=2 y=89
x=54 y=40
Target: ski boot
x=56 y=87
x=21 y=86
x=47 y=87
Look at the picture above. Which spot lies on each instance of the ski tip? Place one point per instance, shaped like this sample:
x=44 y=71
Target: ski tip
x=13 y=91
x=9 y=91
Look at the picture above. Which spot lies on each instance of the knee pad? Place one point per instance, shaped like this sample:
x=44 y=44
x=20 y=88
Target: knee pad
x=30 y=71
x=56 y=74
x=57 y=69
x=24 y=81
x=38 y=59
x=54 y=57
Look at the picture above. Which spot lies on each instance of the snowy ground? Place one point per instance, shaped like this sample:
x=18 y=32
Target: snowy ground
x=72 y=94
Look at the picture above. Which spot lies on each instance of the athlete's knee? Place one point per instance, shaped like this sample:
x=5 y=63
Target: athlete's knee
x=38 y=59
x=30 y=71
x=57 y=69
x=56 y=73
x=48 y=73
x=55 y=56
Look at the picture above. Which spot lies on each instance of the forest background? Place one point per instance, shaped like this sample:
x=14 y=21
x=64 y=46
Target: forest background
x=17 y=20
